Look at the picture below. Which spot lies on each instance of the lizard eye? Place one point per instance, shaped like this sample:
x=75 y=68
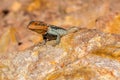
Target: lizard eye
x=39 y=23
x=42 y=23
x=36 y=23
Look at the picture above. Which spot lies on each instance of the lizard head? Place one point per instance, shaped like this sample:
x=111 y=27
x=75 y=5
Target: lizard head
x=38 y=26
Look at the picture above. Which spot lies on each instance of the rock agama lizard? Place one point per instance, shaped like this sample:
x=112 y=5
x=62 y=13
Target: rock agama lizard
x=49 y=32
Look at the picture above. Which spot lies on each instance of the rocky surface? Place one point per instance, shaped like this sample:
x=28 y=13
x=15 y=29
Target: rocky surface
x=86 y=54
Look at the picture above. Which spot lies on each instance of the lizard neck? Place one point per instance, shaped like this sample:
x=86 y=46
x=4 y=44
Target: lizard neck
x=57 y=30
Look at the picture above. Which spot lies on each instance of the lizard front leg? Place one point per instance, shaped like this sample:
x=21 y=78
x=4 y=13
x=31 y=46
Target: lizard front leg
x=58 y=39
x=55 y=33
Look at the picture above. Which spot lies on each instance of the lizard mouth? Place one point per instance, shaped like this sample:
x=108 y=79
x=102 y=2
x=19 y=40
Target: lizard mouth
x=40 y=31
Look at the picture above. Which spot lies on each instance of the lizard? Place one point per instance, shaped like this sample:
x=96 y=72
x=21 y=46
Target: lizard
x=48 y=31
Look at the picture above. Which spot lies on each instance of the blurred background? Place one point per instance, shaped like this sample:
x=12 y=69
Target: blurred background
x=15 y=15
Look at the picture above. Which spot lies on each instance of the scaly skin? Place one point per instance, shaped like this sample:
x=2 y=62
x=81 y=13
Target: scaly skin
x=49 y=32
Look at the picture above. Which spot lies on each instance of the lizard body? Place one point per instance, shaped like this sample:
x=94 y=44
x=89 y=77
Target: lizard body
x=49 y=32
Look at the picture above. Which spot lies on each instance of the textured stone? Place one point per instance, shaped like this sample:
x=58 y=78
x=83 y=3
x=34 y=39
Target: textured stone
x=83 y=55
